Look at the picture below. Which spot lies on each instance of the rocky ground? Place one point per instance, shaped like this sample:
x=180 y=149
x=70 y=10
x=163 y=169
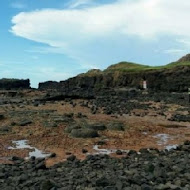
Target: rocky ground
x=88 y=129
x=150 y=169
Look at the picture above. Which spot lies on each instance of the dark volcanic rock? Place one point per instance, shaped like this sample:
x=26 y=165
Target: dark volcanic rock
x=14 y=84
x=84 y=133
x=2 y=117
x=185 y=58
x=119 y=152
x=46 y=185
x=69 y=128
x=49 y=124
x=71 y=158
x=148 y=171
x=117 y=126
x=25 y=122
x=48 y=85
x=96 y=126
x=180 y=118
x=173 y=78
x=5 y=129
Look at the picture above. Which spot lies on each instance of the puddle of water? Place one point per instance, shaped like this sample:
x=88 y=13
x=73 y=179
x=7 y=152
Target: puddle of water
x=163 y=141
x=103 y=151
x=110 y=151
x=162 y=138
x=22 y=144
x=106 y=151
x=169 y=147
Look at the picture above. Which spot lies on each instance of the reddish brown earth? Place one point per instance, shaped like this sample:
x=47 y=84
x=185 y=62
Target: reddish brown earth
x=139 y=132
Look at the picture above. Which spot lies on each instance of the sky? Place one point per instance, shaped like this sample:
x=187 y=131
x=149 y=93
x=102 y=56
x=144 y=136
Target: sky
x=56 y=39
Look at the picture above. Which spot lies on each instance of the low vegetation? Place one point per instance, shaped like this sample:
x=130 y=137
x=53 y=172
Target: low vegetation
x=133 y=67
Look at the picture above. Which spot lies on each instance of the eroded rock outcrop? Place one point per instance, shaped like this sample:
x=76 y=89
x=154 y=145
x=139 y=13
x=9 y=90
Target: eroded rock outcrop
x=174 y=77
x=14 y=84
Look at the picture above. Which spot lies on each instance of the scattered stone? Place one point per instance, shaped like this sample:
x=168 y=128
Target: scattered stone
x=180 y=118
x=101 y=142
x=24 y=122
x=80 y=115
x=2 y=117
x=15 y=158
x=41 y=165
x=119 y=152
x=84 y=151
x=52 y=155
x=5 y=129
x=146 y=171
x=46 y=185
x=117 y=126
x=71 y=158
x=50 y=124
x=84 y=133
x=96 y=126
x=187 y=142
x=69 y=128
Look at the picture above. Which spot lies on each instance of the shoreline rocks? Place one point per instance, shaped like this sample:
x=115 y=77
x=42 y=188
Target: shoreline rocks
x=8 y=84
x=150 y=170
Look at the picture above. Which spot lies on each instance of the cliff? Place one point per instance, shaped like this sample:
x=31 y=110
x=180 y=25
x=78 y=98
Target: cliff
x=174 y=77
x=8 y=84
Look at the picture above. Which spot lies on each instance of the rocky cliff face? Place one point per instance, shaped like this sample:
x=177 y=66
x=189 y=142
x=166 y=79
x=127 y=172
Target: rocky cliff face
x=14 y=84
x=50 y=85
x=174 y=77
x=185 y=58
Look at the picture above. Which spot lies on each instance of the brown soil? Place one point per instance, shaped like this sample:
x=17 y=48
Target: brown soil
x=139 y=133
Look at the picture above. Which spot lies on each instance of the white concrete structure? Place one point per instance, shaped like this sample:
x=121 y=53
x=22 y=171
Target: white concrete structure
x=144 y=84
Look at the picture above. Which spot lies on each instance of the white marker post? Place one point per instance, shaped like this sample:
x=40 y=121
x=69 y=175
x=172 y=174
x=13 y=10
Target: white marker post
x=144 y=84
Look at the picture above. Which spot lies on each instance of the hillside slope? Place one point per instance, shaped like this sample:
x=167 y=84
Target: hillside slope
x=174 y=77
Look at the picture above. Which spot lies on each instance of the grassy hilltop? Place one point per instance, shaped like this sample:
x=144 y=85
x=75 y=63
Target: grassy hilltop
x=130 y=67
x=134 y=67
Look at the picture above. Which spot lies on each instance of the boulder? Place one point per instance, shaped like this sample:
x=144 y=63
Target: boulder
x=96 y=126
x=2 y=117
x=24 y=122
x=117 y=126
x=84 y=133
x=69 y=128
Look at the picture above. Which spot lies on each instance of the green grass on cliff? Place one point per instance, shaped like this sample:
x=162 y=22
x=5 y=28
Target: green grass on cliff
x=127 y=66
x=174 y=64
x=133 y=67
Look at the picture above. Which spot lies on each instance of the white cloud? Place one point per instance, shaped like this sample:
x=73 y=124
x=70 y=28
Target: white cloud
x=144 y=18
x=77 y=3
x=73 y=30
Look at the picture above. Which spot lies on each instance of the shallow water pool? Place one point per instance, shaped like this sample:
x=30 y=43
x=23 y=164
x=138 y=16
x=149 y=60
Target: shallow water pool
x=23 y=144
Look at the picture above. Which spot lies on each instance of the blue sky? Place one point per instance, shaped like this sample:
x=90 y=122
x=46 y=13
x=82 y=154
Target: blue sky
x=57 y=39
